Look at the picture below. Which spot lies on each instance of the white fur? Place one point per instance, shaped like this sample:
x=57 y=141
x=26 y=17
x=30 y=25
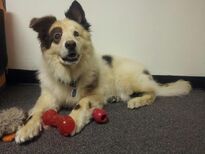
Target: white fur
x=177 y=88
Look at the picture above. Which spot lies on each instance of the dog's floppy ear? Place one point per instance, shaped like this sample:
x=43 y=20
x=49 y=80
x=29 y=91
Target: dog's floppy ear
x=76 y=13
x=42 y=26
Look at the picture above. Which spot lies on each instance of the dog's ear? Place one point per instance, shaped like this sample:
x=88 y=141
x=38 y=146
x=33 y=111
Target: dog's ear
x=42 y=26
x=76 y=13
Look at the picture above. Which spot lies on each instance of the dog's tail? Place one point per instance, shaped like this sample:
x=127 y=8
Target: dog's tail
x=177 y=88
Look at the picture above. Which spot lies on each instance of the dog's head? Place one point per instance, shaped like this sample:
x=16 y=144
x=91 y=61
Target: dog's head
x=66 y=39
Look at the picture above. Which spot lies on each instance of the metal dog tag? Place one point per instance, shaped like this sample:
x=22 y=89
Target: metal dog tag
x=73 y=84
x=73 y=92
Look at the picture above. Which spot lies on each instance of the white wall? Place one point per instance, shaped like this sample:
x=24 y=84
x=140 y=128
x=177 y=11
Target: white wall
x=168 y=36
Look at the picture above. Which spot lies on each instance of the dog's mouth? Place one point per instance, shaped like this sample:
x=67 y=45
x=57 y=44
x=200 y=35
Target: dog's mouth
x=68 y=60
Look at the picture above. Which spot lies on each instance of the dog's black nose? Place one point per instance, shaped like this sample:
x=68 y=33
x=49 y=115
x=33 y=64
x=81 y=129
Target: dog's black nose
x=70 y=45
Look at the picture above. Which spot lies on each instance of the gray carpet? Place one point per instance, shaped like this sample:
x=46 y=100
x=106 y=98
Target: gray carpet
x=170 y=125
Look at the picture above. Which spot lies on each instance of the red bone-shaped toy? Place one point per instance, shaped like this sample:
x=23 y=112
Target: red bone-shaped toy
x=100 y=116
x=66 y=124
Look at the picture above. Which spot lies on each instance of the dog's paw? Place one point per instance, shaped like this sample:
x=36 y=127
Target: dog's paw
x=78 y=127
x=27 y=132
x=75 y=131
x=141 y=101
x=80 y=122
x=132 y=104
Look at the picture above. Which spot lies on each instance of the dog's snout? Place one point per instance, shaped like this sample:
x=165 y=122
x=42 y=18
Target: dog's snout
x=71 y=49
x=70 y=45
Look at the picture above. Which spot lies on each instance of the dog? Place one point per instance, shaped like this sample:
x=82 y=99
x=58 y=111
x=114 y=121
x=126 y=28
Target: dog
x=73 y=73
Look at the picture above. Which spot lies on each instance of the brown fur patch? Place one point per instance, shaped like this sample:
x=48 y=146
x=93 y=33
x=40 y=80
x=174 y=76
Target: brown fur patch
x=42 y=26
x=108 y=59
x=77 y=107
x=146 y=72
x=89 y=105
x=56 y=34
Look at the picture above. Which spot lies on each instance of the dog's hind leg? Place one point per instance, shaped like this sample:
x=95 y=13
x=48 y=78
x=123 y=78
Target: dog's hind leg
x=144 y=90
x=146 y=98
x=82 y=112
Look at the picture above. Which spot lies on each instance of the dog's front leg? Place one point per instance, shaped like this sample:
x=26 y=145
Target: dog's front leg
x=82 y=112
x=33 y=126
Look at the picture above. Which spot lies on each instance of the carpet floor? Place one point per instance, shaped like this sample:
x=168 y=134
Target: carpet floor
x=170 y=125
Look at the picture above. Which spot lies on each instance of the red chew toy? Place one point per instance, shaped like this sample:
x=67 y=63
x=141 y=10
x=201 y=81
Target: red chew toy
x=100 y=116
x=65 y=124
x=50 y=117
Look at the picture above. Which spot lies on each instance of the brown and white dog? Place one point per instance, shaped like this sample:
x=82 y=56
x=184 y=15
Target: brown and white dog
x=72 y=73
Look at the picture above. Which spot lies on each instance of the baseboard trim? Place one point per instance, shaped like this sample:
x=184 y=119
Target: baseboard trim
x=15 y=76
x=196 y=82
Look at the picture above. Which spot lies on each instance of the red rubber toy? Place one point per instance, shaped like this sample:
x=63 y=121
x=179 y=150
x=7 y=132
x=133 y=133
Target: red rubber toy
x=100 y=115
x=64 y=124
x=50 y=117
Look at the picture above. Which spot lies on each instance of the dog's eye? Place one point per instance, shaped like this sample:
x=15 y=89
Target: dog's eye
x=57 y=36
x=75 y=33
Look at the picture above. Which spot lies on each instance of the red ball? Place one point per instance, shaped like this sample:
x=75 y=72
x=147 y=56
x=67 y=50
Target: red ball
x=50 y=117
x=65 y=125
x=100 y=115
